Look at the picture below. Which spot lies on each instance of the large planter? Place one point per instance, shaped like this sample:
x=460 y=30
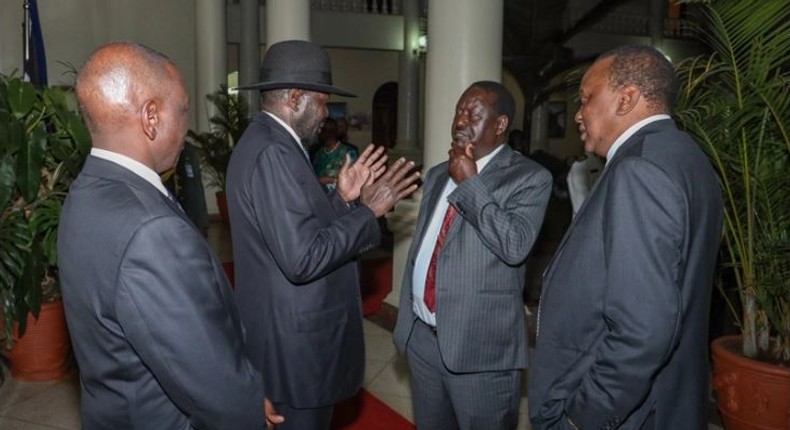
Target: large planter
x=42 y=354
x=751 y=394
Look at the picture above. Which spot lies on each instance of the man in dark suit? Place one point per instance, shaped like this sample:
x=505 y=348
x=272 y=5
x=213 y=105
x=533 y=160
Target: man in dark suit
x=295 y=246
x=151 y=315
x=461 y=320
x=623 y=321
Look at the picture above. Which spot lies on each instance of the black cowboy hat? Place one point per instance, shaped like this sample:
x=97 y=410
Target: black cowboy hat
x=296 y=64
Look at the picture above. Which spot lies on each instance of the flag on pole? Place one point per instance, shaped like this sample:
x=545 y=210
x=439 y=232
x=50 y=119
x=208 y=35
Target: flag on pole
x=35 y=67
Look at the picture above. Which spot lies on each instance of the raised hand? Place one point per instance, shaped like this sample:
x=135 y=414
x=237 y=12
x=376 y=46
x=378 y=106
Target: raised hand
x=462 y=162
x=352 y=177
x=397 y=183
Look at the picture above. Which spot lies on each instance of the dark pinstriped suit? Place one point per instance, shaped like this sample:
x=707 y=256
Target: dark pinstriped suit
x=481 y=326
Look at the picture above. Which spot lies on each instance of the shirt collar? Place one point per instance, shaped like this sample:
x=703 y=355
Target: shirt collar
x=135 y=166
x=287 y=128
x=483 y=162
x=630 y=132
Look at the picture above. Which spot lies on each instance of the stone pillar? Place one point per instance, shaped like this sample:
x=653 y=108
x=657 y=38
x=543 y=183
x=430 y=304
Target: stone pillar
x=408 y=87
x=287 y=20
x=210 y=57
x=457 y=57
x=249 y=52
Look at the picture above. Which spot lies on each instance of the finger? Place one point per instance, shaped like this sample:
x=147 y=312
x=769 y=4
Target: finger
x=380 y=162
x=469 y=151
x=376 y=172
x=406 y=182
x=405 y=193
x=399 y=163
x=363 y=158
x=402 y=171
x=346 y=165
x=379 y=156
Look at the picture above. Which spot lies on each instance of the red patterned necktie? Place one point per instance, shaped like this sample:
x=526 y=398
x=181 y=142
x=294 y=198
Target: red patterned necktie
x=430 y=278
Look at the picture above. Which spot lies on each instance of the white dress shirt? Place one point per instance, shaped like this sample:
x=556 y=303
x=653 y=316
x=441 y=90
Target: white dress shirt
x=630 y=132
x=429 y=242
x=135 y=166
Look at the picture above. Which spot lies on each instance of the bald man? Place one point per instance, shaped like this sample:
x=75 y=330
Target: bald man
x=151 y=316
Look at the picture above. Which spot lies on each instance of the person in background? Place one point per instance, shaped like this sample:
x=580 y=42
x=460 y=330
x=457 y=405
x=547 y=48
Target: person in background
x=623 y=320
x=342 y=131
x=582 y=175
x=461 y=321
x=331 y=154
x=295 y=245
x=155 y=330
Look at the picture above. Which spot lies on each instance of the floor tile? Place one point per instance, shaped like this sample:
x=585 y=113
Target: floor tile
x=14 y=424
x=58 y=406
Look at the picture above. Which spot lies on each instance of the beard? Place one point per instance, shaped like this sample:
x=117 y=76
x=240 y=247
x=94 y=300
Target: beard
x=308 y=124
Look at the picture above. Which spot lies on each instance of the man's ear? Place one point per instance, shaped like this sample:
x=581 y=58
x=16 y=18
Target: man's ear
x=295 y=99
x=501 y=124
x=628 y=99
x=149 y=118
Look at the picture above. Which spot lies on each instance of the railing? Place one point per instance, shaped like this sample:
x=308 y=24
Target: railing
x=637 y=25
x=387 y=7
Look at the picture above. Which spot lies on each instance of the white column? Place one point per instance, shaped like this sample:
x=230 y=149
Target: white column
x=249 y=52
x=408 y=95
x=464 y=46
x=287 y=20
x=210 y=56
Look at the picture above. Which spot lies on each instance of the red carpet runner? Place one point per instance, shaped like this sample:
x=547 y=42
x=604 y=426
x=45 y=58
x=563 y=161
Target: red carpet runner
x=365 y=412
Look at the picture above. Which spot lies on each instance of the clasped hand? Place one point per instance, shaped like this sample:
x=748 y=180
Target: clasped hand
x=368 y=168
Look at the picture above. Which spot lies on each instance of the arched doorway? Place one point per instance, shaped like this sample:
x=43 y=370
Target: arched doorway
x=385 y=115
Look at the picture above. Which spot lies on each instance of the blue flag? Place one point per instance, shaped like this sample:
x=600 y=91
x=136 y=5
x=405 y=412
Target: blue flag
x=35 y=59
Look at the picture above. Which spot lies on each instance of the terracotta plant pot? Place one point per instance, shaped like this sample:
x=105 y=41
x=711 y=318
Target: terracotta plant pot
x=222 y=205
x=42 y=354
x=750 y=394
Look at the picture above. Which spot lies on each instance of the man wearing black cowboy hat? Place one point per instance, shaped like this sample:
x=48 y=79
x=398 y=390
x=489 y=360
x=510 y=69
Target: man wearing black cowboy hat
x=295 y=246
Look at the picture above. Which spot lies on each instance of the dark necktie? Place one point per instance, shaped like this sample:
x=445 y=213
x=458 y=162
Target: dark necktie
x=429 y=297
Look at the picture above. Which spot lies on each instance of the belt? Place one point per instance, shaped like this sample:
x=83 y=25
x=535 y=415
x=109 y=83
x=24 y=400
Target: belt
x=428 y=326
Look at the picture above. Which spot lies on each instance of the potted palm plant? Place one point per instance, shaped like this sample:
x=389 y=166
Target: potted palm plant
x=43 y=144
x=736 y=102
x=216 y=145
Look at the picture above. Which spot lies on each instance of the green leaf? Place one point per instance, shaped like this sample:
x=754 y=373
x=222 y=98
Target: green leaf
x=21 y=97
x=29 y=160
x=12 y=133
x=7 y=180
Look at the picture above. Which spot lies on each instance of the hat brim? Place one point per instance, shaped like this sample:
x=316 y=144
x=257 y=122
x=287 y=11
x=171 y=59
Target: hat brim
x=329 y=89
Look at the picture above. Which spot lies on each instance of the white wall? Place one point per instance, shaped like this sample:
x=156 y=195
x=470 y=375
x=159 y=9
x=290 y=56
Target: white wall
x=73 y=29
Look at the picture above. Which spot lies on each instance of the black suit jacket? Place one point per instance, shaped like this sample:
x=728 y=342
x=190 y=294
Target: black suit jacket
x=151 y=315
x=623 y=322
x=297 y=284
